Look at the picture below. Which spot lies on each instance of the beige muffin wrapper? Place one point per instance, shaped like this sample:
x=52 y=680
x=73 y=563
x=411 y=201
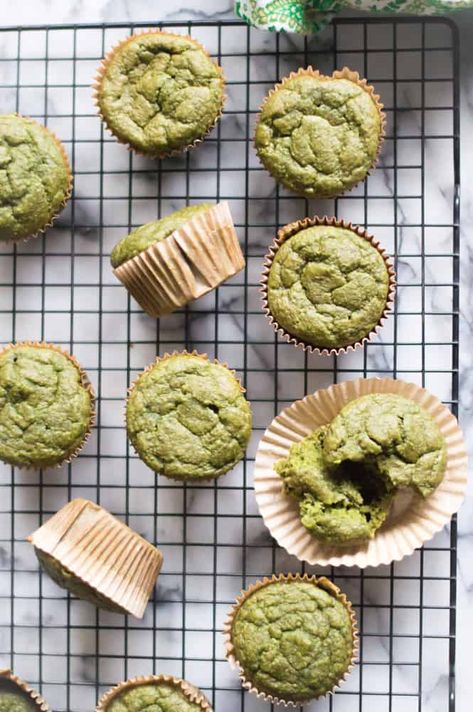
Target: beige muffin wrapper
x=192 y=693
x=344 y=73
x=186 y=265
x=40 y=704
x=410 y=523
x=293 y=228
x=86 y=384
x=166 y=357
x=321 y=581
x=102 y=552
x=101 y=71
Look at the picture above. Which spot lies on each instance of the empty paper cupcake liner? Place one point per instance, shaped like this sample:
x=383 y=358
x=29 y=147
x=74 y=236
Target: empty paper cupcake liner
x=102 y=552
x=412 y=520
x=86 y=384
x=324 y=583
x=292 y=229
x=193 y=694
x=14 y=684
x=189 y=263
x=97 y=85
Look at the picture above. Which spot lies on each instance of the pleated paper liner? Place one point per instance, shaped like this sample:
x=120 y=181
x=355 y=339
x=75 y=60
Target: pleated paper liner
x=85 y=383
x=412 y=520
x=193 y=694
x=68 y=193
x=102 y=69
x=324 y=583
x=102 y=552
x=292 y=229
x=10 y=683
x=352 y=76
x=186 y=265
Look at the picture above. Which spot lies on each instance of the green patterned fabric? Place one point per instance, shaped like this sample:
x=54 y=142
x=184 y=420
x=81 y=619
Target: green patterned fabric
x=311 y=16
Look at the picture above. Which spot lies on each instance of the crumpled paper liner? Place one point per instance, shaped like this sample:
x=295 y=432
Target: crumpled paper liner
x=193 y=694
x=12 y=683
x=86 y=384
x=292 y=229
x=324 y=583
x=412 y=520
x=102 y=69
x=186 y=265
x=103 y=552
x=344 y=73
x=68 y=193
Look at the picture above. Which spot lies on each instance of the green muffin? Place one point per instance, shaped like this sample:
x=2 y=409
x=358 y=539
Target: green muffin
x=155 y=696
x=397 y=438
x=159 y=92
x=339 y=505
x=293 y=639
x=319 y=135
x=187 y=417
x=146 y=235
x=46 y=406
x=327 y=286
x=11 y=702
x=35 y=177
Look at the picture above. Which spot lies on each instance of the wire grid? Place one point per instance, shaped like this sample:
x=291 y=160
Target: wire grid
x=61 y=289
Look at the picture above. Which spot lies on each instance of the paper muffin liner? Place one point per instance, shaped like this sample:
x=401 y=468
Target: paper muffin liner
x=102 y=552
x=101 y=71
x=86 y=384
x=344 y=73
x=11 y=683
x=166 y=357
x=412 y=520
x=192 y=693
x=187 y=264
x=321 y=581
x=67 y=197
x=292 y=229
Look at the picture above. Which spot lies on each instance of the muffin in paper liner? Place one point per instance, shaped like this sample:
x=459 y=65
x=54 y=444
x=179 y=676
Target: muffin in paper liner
x=411 y=521
x=344 y=73
x=187 y=264
x=101 y=71
x=292 y=229
x=86 y=384
x=99 y=550
x=322 y=582
x=10 y=683
x=192 y=693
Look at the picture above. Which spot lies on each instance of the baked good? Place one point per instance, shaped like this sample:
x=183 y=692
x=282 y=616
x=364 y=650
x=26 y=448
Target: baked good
x=156 y=693
x=17 y=696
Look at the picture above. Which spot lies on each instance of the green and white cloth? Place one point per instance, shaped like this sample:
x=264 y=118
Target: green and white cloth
x=311 y=16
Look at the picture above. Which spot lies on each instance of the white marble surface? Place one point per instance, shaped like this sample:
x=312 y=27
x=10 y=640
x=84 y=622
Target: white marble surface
x=82 y=641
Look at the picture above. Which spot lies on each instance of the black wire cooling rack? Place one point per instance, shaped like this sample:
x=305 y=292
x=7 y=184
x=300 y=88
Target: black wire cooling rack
x=61 y=289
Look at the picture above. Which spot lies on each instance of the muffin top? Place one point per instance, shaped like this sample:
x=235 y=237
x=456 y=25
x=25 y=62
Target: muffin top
x=337 y=505
x=155 y=696
x=395 y=435
x=155 y=231
x=318 y=135
x=327 y=286
x=292 y=639
x=11 y=702
x=160 y=92
x=34 y=177
x=187 y=417
x=45 y=408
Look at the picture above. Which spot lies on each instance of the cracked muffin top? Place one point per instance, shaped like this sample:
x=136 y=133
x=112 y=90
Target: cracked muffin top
x=187 y=417
x=399 y=438
x=327 y=286
x=35 y=177
x=319 y=135
x=159 y=92
x=45 y=408
x=293 y=639
x=149 y=234
x=153 y=696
